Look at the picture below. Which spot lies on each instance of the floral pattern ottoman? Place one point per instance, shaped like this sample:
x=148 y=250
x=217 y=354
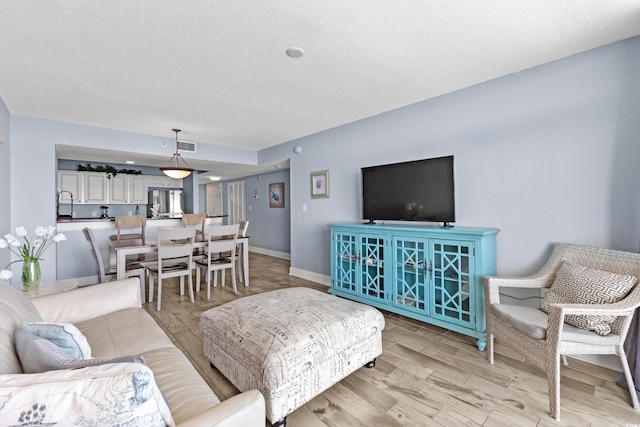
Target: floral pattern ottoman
x=291 y=344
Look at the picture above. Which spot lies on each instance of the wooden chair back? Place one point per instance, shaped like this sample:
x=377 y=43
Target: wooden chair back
x=195 y=220
x=130 y=222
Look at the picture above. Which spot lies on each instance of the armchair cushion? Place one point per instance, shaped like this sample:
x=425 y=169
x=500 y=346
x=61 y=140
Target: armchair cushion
x=41 y=355
x=576 y=284
x=532 y=321
x=64 y=335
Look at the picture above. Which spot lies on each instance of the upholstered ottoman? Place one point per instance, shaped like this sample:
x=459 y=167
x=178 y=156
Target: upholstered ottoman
x=291 y=344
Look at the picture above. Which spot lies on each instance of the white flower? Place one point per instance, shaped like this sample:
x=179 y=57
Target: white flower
x=5 y=274
x=51 y=230
x=41 y=231
x=26 y=250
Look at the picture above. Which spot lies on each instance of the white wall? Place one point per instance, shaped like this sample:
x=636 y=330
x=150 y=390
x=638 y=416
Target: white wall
x=548 y=154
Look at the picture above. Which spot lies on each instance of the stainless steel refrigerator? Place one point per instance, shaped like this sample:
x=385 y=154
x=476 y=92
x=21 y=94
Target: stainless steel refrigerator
x=165 y=203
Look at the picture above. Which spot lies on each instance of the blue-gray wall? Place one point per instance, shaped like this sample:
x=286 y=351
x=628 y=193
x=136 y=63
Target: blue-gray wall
x=32 y=194
x=5 y=180
x=269 y=228
x=548 y=154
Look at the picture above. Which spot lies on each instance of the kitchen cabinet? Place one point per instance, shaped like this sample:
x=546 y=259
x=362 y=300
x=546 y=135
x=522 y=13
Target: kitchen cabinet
x=96 y=187
x=431 y=274
x=70 y=181
x=159 y=181
x=128 y=189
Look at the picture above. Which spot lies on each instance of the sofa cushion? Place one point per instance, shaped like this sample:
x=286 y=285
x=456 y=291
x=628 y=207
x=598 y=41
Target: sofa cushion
x=64 y=335
x=123 y=394
x=14 y=308
x=576 y=284
x=38 y=354
x=185 y=390
x=124 y=332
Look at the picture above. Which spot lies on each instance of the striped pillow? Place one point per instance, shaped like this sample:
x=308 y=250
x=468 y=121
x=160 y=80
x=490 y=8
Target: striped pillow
x=576 y=284
x=41 y=355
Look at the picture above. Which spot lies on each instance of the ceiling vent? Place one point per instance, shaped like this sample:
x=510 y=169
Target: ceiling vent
x=186 y=146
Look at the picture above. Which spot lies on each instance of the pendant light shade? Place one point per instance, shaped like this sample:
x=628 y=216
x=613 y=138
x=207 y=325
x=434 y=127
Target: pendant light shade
x=172 y=168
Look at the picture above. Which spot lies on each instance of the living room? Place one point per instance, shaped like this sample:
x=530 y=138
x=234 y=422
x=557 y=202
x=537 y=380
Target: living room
x=546 y=154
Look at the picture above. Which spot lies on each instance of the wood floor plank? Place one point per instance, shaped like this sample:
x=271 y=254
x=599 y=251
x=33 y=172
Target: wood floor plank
x=426 y=375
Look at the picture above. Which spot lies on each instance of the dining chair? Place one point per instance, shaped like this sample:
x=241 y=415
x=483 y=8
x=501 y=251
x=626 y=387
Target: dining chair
x=130 y=222
x=133 y=269
x=242 y=232
x=195 y=220
x=175 y=258
x=592 y=294
x=221 y=256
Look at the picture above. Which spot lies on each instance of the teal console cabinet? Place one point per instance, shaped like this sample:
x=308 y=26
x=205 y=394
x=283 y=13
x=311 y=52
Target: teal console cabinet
x=427 y=273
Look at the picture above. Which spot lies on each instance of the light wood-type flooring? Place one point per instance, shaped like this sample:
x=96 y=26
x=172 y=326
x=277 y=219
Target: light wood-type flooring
x=426 y=376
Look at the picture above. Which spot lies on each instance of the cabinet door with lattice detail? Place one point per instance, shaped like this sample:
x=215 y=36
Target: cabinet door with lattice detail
x=410 y=274
x=451 y=293
x=344 y=263
x=372 y=269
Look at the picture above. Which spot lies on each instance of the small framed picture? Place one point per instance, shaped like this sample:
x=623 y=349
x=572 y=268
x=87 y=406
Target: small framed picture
x=276 y=195
x=320 y=184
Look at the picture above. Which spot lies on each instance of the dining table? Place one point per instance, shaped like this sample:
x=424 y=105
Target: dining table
x=128 y=247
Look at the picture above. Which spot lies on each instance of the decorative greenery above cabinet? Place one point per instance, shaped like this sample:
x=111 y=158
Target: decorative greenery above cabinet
x=108 y=169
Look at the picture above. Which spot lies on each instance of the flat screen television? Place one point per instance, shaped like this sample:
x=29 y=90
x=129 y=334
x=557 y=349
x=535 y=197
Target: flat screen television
x=419 y=190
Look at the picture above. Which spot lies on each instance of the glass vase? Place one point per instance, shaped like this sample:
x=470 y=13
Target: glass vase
x=30 y=274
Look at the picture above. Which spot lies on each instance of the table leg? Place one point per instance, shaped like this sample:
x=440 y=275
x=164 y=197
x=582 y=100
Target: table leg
x=121 y=265
x=245 y=262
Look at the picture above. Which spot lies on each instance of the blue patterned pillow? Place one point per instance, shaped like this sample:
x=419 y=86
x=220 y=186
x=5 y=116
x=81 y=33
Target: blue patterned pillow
x=64 y=335
x=41 y=355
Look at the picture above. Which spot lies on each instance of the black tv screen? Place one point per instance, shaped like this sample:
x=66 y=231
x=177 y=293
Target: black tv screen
x=420 y=190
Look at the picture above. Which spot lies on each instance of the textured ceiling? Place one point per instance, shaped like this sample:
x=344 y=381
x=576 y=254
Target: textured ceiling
x=218 y=69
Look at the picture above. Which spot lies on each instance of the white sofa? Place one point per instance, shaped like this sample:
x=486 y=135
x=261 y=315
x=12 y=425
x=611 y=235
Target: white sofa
x=111 y=318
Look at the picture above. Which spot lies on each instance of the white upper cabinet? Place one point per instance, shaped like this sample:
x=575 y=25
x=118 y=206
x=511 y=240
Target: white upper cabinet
x=128 y=189
x=96 y=188
x=160 y=181
x=70 y=181
x=138 y=189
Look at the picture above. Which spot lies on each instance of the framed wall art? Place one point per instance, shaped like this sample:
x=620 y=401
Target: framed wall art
x=320 y=184
x=276 y=195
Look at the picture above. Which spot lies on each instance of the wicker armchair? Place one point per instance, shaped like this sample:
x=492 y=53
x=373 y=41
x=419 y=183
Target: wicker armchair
x=560 y=338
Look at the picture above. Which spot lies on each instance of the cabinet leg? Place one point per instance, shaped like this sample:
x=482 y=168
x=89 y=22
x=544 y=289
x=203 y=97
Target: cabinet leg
x=481 y=343
x=370 y=364
x=280 y=423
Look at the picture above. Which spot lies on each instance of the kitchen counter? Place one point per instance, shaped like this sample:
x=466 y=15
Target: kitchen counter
x=91 y=219
x=77 y=224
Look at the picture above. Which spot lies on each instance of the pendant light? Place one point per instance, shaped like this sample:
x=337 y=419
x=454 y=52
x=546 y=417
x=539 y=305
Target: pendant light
x=172 y=168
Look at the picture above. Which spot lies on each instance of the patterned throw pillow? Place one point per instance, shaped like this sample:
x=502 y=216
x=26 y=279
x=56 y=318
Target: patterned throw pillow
x=41 y=355
x=122 y=394
x=64 y=335
x=576 y=284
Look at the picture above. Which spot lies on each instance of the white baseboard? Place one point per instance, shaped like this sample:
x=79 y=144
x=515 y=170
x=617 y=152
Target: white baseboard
x=310 y=275
x=276 y=254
